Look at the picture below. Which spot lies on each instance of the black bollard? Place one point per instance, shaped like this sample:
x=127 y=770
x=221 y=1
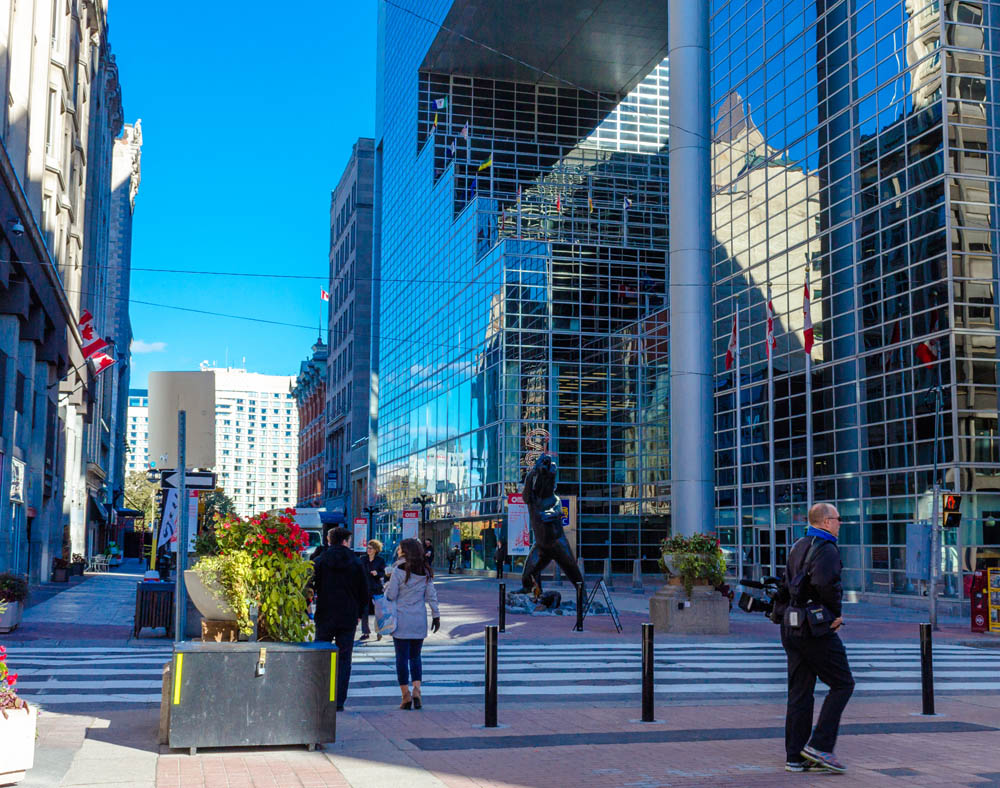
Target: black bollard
x=926 y=669
x=491 y=677
x=647 y=673
x=503 y=607
x=579 y=607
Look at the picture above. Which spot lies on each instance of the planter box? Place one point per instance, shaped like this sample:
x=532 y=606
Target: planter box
x=707 y=614
x=219 y=697
x=17 y=743
x=77 y=567
x=60 y=575
x=10 y=617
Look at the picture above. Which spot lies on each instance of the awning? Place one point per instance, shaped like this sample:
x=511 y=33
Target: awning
x=121 y=511
x=332 y=518
x=97 y=509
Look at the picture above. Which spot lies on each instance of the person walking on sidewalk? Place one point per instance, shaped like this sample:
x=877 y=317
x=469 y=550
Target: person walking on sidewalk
x=499 y=557
x=341 y=595
x=411 y=587
x=809 y=605
x=374 y=567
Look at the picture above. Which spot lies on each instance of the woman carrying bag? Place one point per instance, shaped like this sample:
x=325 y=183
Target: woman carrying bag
x=374 y=566
x=411 y=588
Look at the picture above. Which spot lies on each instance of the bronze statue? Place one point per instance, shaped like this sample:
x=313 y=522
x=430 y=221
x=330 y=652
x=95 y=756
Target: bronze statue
x=545 y=516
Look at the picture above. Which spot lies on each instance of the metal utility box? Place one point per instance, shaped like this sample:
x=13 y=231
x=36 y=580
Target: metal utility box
x=251 y=694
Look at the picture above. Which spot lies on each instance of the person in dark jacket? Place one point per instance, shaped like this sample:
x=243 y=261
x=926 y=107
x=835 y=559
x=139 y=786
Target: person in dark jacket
x=373 y=565
x=341 y=595
x=499 y=557
x=813 y=647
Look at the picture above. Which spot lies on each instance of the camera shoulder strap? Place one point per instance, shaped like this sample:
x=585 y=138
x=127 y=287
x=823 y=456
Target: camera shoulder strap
x=795 y=587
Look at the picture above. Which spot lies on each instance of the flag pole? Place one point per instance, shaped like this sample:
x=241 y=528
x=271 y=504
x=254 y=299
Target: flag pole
x=739 y=450
x=770 y=431
x=809 y=415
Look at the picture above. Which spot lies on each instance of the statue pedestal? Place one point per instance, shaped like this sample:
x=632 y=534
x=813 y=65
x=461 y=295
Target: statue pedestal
x=708 y=613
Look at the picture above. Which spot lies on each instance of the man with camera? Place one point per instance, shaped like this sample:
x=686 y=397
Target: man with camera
x=808 y=607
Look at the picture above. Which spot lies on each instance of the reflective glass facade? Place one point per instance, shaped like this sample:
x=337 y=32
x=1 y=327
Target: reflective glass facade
x=855 y=146
x=523 y=271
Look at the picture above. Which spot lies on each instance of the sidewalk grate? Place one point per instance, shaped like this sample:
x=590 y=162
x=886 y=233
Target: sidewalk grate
x=683 y=735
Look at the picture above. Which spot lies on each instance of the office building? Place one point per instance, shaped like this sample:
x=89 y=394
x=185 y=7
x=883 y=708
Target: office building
x=137 y=431
x=855 y=148
x=310 y=396
x=61 y=113
x=256 y=439
x=350 y=447
x=521 y=250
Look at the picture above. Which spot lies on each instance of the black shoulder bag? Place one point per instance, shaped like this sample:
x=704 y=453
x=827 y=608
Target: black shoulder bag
x=806 y=618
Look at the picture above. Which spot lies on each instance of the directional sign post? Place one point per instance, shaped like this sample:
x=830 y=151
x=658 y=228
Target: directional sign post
x=194 y=480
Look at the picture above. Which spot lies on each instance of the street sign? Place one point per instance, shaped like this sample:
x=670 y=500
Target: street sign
x=195 y=480
x=951 y=506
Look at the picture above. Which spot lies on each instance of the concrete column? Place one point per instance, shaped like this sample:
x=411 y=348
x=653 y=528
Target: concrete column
x=692 y=444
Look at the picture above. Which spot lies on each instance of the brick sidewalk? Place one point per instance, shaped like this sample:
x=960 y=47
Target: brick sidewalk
x=601 y=746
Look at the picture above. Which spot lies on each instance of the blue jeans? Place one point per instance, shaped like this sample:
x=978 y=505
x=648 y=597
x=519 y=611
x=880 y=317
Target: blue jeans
x=408 y=659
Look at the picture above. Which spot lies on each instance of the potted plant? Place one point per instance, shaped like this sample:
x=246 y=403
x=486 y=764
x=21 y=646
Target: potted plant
x=114 y=553
x=18 y=722
x=255 y=562
x=13 y=592
x=60 y=570
x=693 y=560
x=77 y=564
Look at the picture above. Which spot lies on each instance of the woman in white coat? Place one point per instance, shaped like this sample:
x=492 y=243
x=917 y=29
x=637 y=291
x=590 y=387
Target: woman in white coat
x=411 y=587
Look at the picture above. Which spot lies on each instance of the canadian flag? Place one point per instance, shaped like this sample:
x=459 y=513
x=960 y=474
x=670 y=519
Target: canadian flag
x=807 y=322
x=929 y=351
x=733 y=348
x=86 y=325
x=771 y=342
x=324 y=295
x=558 y=204
x=91 y=349
x=102 y=361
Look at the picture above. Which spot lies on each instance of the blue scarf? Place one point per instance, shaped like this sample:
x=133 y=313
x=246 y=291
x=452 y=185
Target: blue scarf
x=821 y=534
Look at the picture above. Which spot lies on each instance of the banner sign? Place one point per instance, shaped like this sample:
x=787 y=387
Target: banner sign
x=360 y=533
x=518 y=526
x=175 y=525
x=169 y=522
x=411 y=523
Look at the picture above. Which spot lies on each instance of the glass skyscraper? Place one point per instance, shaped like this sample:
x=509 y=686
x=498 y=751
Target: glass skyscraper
x=854 y=147
x=522 y=259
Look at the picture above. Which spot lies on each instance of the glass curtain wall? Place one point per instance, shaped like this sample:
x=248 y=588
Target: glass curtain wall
x=522 y=230
x=854 y=148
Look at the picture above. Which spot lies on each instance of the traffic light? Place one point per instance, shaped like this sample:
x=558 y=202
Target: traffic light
x=951 y=506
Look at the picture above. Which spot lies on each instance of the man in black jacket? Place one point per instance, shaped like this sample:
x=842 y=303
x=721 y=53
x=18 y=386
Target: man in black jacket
x=341 y=591
x=809 y=602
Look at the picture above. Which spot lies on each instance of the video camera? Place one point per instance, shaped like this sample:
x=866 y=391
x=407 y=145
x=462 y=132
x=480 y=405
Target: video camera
x=759 y=603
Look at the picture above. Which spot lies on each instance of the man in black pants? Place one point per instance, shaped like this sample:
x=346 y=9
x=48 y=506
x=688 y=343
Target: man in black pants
x=811 y=590
x=341 y=591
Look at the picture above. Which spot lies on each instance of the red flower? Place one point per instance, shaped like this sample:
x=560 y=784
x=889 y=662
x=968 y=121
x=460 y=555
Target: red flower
x=3 y=651
x=11 y=679
x=264 y=540
x=271 y=530
x=282 y=540
x=259 y=553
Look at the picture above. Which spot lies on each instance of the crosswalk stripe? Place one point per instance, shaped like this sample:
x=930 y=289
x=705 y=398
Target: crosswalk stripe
x=128 y=676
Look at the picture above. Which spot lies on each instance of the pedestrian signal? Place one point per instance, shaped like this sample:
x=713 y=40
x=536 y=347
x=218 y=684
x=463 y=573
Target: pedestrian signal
x=952 y=515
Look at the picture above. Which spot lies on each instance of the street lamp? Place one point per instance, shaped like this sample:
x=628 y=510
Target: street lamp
x=371 y=511
x=423 y=501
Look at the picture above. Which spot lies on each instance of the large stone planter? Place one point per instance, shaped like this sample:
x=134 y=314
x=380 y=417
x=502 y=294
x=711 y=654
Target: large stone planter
x=707 y=613
x=17 y=743
x=208 y=600
x=10 y=617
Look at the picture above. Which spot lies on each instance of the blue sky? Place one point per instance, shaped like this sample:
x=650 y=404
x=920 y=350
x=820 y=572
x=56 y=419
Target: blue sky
x=248 y=115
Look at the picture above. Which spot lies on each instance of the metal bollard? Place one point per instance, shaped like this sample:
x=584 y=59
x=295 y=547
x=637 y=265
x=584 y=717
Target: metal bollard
x=647 y=673
x=491 y=677
x=926 y=669
x=503 y=607
x=607 y=574
x=579 y=565
x=579 y=607
x=637 y=576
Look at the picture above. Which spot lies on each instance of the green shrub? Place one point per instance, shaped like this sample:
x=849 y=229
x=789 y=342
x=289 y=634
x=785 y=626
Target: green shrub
x=697 y=557
x=13 y=588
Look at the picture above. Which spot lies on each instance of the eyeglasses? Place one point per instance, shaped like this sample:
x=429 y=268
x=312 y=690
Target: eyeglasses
x=834 y=518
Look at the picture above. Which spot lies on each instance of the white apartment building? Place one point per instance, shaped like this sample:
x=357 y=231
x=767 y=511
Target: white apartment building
x=137 y=431
x=256 y=439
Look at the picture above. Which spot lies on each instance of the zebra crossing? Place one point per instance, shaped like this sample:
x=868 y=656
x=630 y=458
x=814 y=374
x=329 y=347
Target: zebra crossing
x=123 y=676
